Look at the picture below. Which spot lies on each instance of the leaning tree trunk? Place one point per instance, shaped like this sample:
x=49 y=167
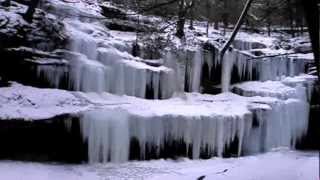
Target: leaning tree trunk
x=236 y=28
x=226 y=65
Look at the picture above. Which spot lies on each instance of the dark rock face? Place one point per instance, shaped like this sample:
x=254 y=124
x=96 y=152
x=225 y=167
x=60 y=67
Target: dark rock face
x=20 y=64
x=3 y=82
x=311 y=140
x=113 y=12
x=128 y=26
x=57 y=139
x=118 y=19
x=22 y=43
x=44 y=33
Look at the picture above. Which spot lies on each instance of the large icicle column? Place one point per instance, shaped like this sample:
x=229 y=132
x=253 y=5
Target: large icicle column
x=286 y=122
x=197 y=126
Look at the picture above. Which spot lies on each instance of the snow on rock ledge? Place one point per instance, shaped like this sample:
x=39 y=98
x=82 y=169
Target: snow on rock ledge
x=191 y=125
x=297 y=87
x=28 y=103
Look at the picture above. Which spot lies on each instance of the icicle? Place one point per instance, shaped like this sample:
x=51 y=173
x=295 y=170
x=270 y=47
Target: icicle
x=107 y=133
x=227 y=65
x=196 y=71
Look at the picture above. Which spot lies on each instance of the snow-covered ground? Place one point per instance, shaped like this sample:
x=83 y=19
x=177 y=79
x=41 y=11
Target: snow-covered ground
x=277 y=165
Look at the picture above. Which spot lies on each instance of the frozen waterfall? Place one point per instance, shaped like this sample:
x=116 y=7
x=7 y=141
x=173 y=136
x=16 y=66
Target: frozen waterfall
x=193 y=125
x=200 y=125
x=94 y=65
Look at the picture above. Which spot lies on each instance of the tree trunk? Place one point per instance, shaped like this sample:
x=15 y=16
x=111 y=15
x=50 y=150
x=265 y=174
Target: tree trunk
x=225 y=16
x=180 y=27
x=236 y=28
x=216 y=25
x=181 y=20
x=191 y=18
x=208 y=16
x=191 y=24
x=6 y=3
x=227 y=66
x=28 y=16
x=290 y=9
x=269 y=27
x=312 y=18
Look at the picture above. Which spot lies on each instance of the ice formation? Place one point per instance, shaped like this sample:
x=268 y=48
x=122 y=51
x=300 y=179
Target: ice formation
x=97 y=65
x=205 y=123
x=202 y=126
x=227 y=64
x=188 y=67
x=287 y=120
x=237 y=66
x=270 y=68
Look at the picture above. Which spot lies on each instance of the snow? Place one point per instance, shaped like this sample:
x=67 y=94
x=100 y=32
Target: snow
x=28 y=103
x=10 y=18
x=278 y=165
x=268 y=88
x=307 y=56
x=81 y=8
x=254 y=37
x=298 y=87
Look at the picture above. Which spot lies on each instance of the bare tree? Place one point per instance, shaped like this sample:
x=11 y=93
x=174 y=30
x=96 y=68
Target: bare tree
x=184 y=8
